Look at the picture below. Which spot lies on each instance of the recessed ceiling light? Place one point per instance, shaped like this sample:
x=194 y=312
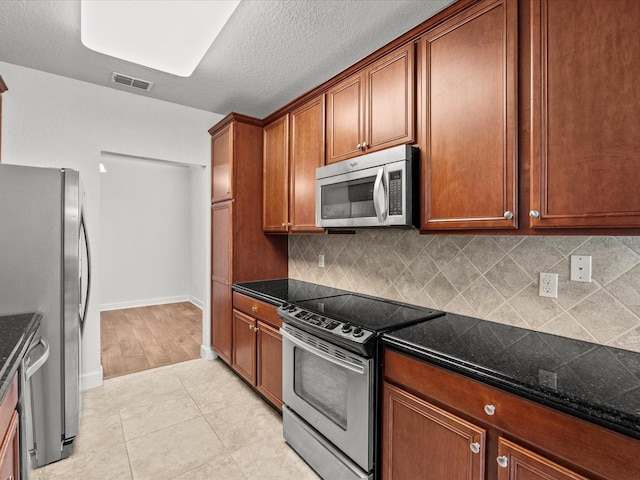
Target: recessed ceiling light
x=167 y=35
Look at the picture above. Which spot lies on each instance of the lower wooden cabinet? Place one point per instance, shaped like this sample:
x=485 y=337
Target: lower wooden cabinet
x=220 y=321
x=244 y=346
x=518 y=463
x=269 y=363
x=257 y=346
x=9 y=439
x=437 y=424
x=423 y=441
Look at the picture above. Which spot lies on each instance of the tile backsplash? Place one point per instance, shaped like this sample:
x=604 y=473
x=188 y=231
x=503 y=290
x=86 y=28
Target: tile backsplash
x=490 y=277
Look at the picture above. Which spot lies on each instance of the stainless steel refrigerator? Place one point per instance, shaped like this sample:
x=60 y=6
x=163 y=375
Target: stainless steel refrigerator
x=45 y=268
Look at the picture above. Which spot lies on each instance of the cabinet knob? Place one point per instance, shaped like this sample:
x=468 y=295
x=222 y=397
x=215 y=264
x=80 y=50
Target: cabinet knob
x=254 y=308
x=508 y=215
x=503 y=461
x=359 y=146
x=534 y=214
x=475 y=447
x=255 y=329
x=490 y=409
x=364 y=145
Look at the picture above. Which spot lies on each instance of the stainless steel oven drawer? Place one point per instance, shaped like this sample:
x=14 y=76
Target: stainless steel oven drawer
x=317 y=451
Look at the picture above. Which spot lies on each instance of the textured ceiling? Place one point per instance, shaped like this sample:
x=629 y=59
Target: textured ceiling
x=270 y=51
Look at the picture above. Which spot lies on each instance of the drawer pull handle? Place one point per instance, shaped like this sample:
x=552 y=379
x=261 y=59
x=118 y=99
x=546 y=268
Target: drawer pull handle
x=503 y=461
x=490 y=409
x=475 y=447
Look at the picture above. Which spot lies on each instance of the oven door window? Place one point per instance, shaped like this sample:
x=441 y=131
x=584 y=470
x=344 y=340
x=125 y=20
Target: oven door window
x=350 y=199
x=321 y=384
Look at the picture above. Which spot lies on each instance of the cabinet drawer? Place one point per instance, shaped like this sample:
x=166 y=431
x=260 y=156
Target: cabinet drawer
x=256 y=308
x=559 y=436
x=8 y=406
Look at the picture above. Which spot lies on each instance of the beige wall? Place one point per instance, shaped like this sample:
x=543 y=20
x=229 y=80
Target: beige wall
x=491 y=277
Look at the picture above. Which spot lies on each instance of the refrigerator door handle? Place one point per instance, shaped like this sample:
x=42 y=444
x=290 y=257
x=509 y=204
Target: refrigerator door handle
x=33 y=368
x=83 y=226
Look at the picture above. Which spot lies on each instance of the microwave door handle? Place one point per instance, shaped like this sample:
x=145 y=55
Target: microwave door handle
x=380 y=203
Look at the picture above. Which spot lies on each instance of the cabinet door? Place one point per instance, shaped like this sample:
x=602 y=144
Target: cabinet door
x=275 y=203
x=306 y=154
x=518 y=463
x=221 y=277
x=345 y=119
x=221 y=242
x=390 y=100
x=244 y=346
x=269 y=381
x=420 y=440
x=222 y=165
x=468 y=119
x=221 y=319
x=10 y=451
x=585 y=111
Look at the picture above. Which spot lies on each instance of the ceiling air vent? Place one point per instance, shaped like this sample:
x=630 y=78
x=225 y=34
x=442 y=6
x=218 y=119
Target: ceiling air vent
x=131 y=81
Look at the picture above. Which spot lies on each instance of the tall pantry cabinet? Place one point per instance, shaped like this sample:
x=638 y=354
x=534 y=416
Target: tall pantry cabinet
x=240 y=251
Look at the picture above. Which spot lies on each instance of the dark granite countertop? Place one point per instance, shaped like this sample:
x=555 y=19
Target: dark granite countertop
x=597 y=383
x=16 y=332
x=594 y=382
x=281 y=290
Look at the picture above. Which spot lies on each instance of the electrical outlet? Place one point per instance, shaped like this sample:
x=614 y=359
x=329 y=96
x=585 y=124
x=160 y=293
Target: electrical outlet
x=321 y=261
x=548 y=285
x=547 y=378
x=581 y=268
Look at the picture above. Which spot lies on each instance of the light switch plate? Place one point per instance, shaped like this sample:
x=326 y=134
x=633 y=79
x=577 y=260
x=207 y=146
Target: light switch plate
x=580 y=268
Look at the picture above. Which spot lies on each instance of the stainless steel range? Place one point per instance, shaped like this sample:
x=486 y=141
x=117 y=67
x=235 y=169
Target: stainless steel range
x=330 y=377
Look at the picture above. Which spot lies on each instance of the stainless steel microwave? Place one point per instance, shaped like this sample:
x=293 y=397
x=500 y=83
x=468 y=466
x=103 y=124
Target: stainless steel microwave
x=374 y=190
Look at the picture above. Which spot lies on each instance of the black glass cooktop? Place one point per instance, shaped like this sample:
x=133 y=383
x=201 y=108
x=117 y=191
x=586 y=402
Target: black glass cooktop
x=369 y=313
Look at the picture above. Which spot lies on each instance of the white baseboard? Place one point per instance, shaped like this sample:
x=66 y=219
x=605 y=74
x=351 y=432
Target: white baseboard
x=91 y=380
x=146 y=302
x=197 y=302
x=208 y=353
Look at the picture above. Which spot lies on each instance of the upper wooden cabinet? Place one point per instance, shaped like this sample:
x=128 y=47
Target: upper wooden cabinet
x=372 y=109
x=275 y=199
x=306 y=153
x=293 y=149
x=585 y=114
x=222 y=164
x=467 y=114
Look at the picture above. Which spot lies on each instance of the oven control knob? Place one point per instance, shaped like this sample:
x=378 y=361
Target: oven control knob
x=346 y=328
x=357 y=332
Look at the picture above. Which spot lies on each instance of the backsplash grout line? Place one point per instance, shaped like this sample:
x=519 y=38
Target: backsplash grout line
x=497 y=275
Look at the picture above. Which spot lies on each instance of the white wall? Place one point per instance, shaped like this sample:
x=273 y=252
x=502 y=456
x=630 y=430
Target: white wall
x=145 y=214
x=54 y=121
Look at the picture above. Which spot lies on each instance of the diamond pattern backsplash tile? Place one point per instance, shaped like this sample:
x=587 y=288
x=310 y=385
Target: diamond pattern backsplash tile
x=490 y=277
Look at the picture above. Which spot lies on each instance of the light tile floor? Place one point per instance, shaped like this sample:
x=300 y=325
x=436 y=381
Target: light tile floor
x=189 y=421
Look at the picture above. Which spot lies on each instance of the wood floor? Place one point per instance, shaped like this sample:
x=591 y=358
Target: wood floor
x=136 y=339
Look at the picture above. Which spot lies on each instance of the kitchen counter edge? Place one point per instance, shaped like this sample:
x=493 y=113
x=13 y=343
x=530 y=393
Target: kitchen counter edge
x=12 y=363
x=621 y=422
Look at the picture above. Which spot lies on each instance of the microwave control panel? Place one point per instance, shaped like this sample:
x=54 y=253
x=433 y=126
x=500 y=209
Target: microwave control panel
x=395 y=192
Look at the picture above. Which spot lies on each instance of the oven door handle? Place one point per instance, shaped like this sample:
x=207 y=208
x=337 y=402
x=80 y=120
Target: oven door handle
x=336 y=361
